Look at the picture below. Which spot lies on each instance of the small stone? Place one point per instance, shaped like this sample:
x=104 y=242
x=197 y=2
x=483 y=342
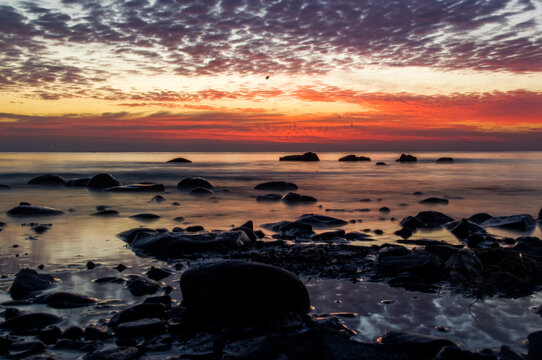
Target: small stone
x=90 y=265
x=121 y=267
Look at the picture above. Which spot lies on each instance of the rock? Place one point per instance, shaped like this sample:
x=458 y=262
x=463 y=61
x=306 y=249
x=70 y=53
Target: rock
x=508 y=353
x=295 y=198
x=405 y=233
x=200 y=191
x=194 y=228
x=158 y=199
x=523 y=222
x=106 y=213
x=90 y=265
x=320 y=221
x=138 y=312
x=479 y=218
x=357 y=236
x=178 y=218
x=464 y=265
x=158 y=274
x=406 y=158
x=412 y=223
x=139 y=286
x=308 y=156
x=29 y=210
x=242 y=293
x=276 y=185
x=433 y=219
x=145 y=217
x=535 y=345
x=65 y=300
x=47 y=179
x=425 y=346
x=455 y=353
x=80 y=182
x=4 y=187
x=269 y=198
x=463 y=229
x=103 y=181
x=124 y=353
x=381 y=163
x=142 y=327
x=12 y=312
x=423 y=264
x=30 y=323
x=540 y=214
x=121 y=267
x=179 y=160
x=73 y=333
x=27 y=282
x=143 y=187
x=50 y=335
x=384 y=209
x=392 y=250
x=445 y=160
x=530 y=246
x=23 y=349
x=190 y=183
x=291 y=229
x=41 y=228
x=95 y=332
x=435 y=201
x=354 y=158
x=329 y=235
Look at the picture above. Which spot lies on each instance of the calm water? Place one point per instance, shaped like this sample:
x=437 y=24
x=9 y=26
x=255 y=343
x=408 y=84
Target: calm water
x=498 y=183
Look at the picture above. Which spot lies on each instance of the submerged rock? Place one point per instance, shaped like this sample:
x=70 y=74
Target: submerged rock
x=269 y=198
x=158 y=199
x=123 y=353
x=291 y=229
x=30 y=323
x=47 y=179
x=158 y=274
x=308 y=156
x=295 y=198
x=320 y=221
x=65 y=300
x=445 y=160
x=435 y=201
x=530 y=246
x=433 y=219
x=406 y=158
x=106 y=213
x=523 y=222
x=80 y=182
x=179 y=160
x=354 y=158
x=30 y=210
x=103 y=181
x=239 y=292
x=420 y=263
x=4 y=187
x=140 y=286
x=145 y=217
x=27 y=282
x=143 y=187
x=143 y=327
x=189 y=183
x=276 y=185
x=381 y=163
x=329 y=235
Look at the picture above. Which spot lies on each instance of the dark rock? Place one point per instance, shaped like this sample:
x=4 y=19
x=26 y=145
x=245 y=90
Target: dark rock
x=27 y=282
x=406 y=158
x=23 y=349
x=523 y=222
x=29 y=210
x=320 y=221
x=106 y=213
x=291 y=229
x=479 y=218
x=179 y=218
x=405 y=233
x=444 y=252
x=435 y=201
x=12 y=312
x=95 y=332
x=423 y=264
x=125 y=353
x=295 y=198
x=329 y=235
x=535 y=345
x=540 y=214
x=194 y=228
x=139 y=286
x=463 y=229
x=508 y=353
x=357 y=236
x=179 y=160
x=190 y=183
x=425 y=346
x=241 y=292
x=137 y=312
x=158 y=199
x=249 y=225
x=200 y=191
x=30 y=323
x=464 y=265
x=164 y=300
x=81 y=182
x=423 y=242
x=276 y=185
x=354 y=158
x=47 y=179
x=109 y=279
x=143 y=187
x=50 y=335
x=445 y=160
x=90 y=265
x=269 y=198
x=41 y=228
x=248 y=230
x=530 y=246
x=4 y=187
x=143 y=327
x=392 y=250
x=384 y=209
x=455 y=353
x=158 y=274
x=102 y=181
x=73 y=332
x=121 y=267
x=65 y=300
x=145 y=217
x=433 y=219
x=381 y=163
x=308 y=156
x=378 y=232
x=260 y=234
x=412 y=223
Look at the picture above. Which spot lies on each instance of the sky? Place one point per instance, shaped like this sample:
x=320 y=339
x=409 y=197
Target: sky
x=270 y=75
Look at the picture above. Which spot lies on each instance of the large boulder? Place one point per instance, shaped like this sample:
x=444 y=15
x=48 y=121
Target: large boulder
x=189 y=183
x=406 y=158
x=276 y=185
x=47 y=179
x=102 y=181
x=30 y=210
x=308 y=156
x=27 y=282
x=523 y=222
x=239 y=292
x=143 y=187
x=354 y=158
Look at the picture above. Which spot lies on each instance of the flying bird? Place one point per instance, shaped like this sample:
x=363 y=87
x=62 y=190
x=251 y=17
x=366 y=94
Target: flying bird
x=267 y=77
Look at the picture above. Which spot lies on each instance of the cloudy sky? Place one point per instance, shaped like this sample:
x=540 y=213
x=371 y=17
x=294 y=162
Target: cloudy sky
x=208 y=75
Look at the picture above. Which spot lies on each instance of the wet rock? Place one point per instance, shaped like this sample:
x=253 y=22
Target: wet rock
x=143 y=327
x=329 y=235
x=269 y=198
x=139 y=286
x=357 y=236
x=308 y=156
x=531 y=246
x=138 y=312
x=47 y=179
x=508 y=353
x=354 y=158
x=30 y=323
x=41 y=228
x=381 y=163
x=164 y=300
x=200 y=191
x=479 y=218
x=392 y=250
x=80 y=182
x=425 y=346
x=145 y=217
x=95 y=332
x=422 y=264
x=320 y=221
x=125 y=353
x=412 y=223
x=194 y=228
x=29 y=210
x=405 y=233
x=106 y=213
x=464 y=265
x=158 y=199
x=295 y=198
x=143 y=187
x=103 y=181
x=4 y=187
x=27 y=282
x=429 y=219
x=535 y=345
x=444 y=252
x=463 y=229
x=73 y=332
x=23 y=349
x=523 y=222
x=423 y=242
x=121 y=267
x=435 y=201
x=276 y=185
x=455 y=353
x=190 y=183
x=384 y=210
x=12 y=312
x=239 y=292
x=290 y=229
x=65 y=300
x=179 y=160
x=158 y=274
x=50 y=335
x=445 y=160
x=406 y=158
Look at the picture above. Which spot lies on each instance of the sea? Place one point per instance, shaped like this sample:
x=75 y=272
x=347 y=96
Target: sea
x=499 y=183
